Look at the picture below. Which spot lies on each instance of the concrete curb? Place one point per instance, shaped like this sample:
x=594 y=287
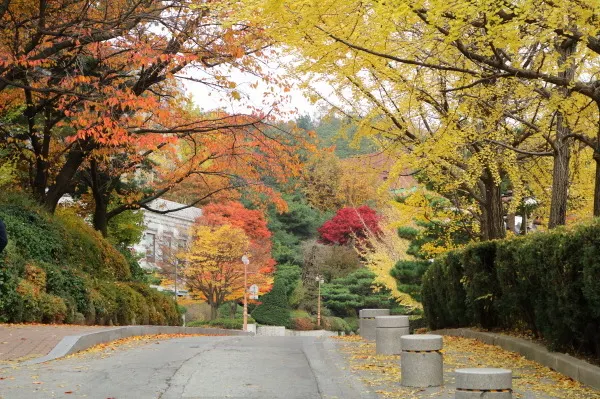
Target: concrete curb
x=75 y=343
x=577 y=369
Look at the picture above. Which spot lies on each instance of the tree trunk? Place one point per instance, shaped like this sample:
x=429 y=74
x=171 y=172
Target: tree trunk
x=101 y=215
x=64 y=179
x=560 y=172
x=560 y=176
x=492 y=212
x=511 y=222
x=101 y=190
x=40 y=181
x=213 y=310
x=597 y=160
x=597 y=183
x=233 y=309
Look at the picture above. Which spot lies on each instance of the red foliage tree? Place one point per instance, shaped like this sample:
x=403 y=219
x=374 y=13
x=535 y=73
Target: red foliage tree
x=254 y=224
x=348 y=224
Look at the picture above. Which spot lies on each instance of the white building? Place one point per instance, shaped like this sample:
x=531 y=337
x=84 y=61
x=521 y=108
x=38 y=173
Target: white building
x=169 y=230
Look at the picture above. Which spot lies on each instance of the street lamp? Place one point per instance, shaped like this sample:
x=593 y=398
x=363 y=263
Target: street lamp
x=320 y=281
x=246 y=262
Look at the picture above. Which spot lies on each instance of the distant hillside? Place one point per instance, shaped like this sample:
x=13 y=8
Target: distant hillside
x=57 y=269
x=335 y=132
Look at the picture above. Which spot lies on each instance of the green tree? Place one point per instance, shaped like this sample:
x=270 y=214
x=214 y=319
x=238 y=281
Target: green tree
x=274 y=309
x=290 y=228
x=345 y=296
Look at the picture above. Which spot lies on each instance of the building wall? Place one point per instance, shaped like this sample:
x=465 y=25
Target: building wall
x=165 y=230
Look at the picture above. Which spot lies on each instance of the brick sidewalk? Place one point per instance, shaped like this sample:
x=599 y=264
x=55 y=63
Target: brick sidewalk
x=19 y=342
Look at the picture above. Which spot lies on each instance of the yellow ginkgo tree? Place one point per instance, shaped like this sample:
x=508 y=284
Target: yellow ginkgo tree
x=213 y=269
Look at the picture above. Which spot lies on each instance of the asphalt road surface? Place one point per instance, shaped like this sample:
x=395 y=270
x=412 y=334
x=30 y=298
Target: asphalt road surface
x=193 y=367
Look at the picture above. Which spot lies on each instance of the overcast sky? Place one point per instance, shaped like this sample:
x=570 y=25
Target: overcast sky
x=262 y=96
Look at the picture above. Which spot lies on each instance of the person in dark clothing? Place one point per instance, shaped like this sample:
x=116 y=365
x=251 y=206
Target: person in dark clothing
x=3 y=238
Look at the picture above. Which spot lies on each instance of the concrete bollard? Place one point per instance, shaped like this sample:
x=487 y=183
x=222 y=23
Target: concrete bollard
x=483 y=383
x=367 y=321
x=421 y=361
x=389 y=330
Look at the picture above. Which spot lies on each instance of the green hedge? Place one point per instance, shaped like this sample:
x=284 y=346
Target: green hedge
x=547 y=283
x=230 y=324
x=57 y=269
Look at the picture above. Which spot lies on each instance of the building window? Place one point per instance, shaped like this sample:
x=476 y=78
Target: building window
x=150 y=244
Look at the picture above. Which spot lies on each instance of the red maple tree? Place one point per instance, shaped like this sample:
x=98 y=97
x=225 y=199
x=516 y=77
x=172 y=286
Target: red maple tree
x=348 y=224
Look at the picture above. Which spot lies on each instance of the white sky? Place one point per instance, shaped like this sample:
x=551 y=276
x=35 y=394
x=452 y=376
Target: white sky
x=262 y=96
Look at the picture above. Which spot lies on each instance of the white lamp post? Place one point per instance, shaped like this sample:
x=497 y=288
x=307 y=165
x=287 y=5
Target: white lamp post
x=246 y=262
x=320 y=281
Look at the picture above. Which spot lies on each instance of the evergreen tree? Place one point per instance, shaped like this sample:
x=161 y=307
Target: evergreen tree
x=274 y=309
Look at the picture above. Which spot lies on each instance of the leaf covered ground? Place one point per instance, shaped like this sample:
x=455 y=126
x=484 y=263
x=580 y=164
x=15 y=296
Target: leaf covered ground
x=382 y=374
x=107 y=348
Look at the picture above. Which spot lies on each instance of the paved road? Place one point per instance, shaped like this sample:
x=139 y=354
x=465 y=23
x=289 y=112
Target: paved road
x=193 y=367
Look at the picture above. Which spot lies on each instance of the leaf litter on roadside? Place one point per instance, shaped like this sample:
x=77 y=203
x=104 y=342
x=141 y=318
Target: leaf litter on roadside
x=107 y=348
x=530 y=379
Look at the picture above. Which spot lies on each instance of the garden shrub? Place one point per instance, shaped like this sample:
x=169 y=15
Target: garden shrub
x=11 y=302
x=332 y=323
x=57 y=269
x=480 y=283
x=303 y=324
x=274 y=309
x=53 y=309
x=29 y=311
x=546 y=283
x=86 y=248
x=444 y=297
x=230 y=324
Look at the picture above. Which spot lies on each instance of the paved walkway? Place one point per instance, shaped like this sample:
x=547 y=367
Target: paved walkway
x=19 y=342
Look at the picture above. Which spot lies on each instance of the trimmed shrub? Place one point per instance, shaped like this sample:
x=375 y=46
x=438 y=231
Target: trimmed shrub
x=230 y=324
x=11 y=302
x=444 y=297
x=352 y=322
x=303 y=324
x=546 y=283
x=332 y=323
x=53 y=309
x=274 y=309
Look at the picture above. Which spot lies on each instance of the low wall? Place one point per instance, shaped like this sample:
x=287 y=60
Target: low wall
x=270 y=331
x=311 y=333
x=577 y=369
x=75 y=343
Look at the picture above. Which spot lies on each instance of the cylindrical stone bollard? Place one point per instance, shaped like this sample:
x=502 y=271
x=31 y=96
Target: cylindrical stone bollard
x=421 y=361
x=486 y=383
x=367 y=321
x=389 y=330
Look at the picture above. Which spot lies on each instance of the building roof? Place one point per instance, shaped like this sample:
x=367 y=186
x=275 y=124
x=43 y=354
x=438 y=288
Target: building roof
x=191 y=213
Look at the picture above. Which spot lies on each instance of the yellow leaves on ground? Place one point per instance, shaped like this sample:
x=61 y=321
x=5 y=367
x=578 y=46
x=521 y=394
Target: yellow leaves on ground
x=530 y=379
x=108 y=348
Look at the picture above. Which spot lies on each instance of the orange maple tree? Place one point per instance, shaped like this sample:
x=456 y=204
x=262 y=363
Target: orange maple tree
x=254 y=225
x=92 y=90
